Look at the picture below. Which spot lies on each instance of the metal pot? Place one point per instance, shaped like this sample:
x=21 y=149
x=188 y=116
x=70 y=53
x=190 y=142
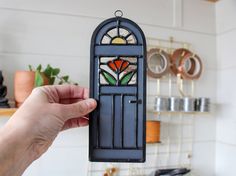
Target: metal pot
x=203 y=104
x=161 y=104
x=188 y=104
x=175 y=104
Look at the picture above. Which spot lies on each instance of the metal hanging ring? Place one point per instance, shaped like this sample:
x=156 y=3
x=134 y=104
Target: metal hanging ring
x=118 y=13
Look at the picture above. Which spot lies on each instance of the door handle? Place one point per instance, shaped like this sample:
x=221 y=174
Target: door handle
x=135 y=101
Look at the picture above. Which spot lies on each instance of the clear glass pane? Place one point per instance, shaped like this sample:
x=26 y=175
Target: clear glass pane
x=123 y=32
x=112 y=32
x=131 y=39
x=106 y=40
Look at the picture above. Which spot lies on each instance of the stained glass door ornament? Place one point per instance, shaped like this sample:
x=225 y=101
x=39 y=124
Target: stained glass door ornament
x=118 y=83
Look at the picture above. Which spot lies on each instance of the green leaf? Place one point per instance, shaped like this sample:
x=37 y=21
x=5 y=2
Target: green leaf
x=51 y=80
x=30 y=67
x=48 y=71
x=108 y=77
x=60 y=83
x=39 y=68
x=55 y=71
x=65 y=78
x=38 y=79
x=127 y=77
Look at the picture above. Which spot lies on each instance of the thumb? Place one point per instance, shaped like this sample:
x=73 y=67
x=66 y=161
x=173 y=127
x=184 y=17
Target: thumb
x=78 y=109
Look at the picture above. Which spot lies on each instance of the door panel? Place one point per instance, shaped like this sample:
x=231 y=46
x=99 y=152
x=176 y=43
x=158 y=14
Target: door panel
x=118 y=122
x=130 y=123
x=105 y=122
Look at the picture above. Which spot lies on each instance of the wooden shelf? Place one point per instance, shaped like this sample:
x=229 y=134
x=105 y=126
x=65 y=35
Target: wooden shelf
x=7 y=112
x=212 y=0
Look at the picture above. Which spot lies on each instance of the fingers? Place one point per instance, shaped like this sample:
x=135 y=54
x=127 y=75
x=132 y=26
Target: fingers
x=79 y=109
x=69 y=101
x=68 y=91
x=74 y=123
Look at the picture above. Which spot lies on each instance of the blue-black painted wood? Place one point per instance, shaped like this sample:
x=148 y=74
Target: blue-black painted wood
x=117 y=131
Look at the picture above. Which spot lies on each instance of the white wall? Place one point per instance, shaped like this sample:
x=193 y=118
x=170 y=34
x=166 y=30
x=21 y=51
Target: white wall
x=58 y=32
x=226 y=120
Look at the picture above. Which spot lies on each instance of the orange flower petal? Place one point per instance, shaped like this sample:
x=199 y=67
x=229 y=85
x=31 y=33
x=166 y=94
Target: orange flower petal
x=112 y=66
x=118 y=63
x=124 y=66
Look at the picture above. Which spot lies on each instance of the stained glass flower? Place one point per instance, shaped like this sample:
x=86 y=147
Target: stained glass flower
x=118 y=65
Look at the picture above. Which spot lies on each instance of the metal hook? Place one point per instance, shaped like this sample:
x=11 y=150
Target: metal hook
x=118 y=13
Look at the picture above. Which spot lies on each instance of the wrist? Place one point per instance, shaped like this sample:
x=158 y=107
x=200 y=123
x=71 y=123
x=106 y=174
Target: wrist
x=15 y=155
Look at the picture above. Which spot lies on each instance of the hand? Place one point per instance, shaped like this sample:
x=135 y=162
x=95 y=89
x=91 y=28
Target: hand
x=35 y=125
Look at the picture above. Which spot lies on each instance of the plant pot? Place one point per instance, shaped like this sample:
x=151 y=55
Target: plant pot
x=23 y=85
x=152 y=131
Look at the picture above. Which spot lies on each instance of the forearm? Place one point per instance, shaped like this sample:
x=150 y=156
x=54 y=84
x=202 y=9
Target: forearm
x=33 y=128
x=15 y=155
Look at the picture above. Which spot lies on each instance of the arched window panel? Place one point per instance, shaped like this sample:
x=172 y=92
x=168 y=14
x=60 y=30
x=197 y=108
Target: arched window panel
x=126 y=29
x=119 y=36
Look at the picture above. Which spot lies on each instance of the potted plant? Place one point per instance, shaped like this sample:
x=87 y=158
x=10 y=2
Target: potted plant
x=25 y=81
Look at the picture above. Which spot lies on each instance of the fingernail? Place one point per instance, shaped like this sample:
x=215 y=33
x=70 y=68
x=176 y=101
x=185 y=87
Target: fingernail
x=83 y=122
x=91 y=103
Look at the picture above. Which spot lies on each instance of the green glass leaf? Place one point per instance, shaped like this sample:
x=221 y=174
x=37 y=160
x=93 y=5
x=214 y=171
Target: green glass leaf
x=108 y=77
x=127 y=77
x=38 y=79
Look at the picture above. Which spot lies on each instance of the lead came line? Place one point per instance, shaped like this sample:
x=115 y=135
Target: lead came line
x=137 y=99
x=122 y=120
x=113 y=120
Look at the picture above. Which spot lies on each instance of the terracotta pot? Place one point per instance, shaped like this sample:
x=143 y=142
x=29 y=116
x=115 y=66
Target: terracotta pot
x=152 y=131
x=23 y=85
